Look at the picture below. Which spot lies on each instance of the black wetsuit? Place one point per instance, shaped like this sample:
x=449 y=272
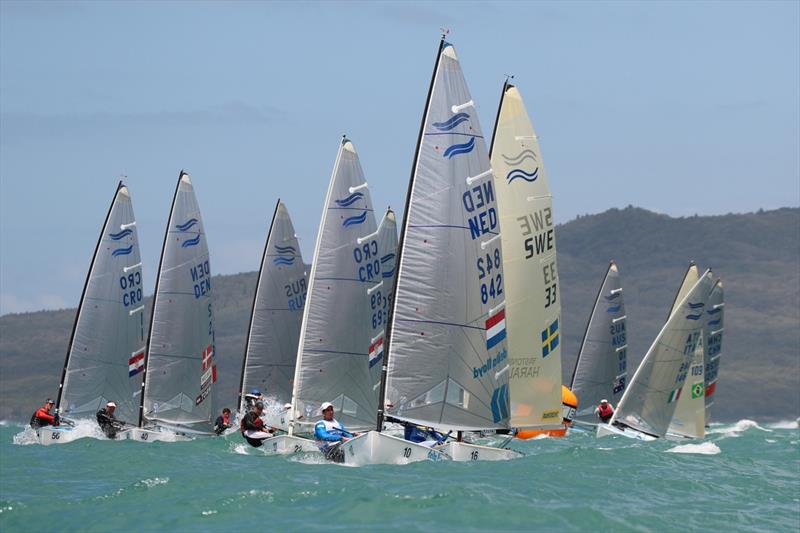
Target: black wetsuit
x=108 y=423
x=252 y=422
x=220 y=426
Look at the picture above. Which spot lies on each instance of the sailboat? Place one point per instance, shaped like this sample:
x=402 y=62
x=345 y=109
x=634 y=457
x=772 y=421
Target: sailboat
x=601 y=370
x=180 y=362
x=649 y=401
x=712 y=339
x=336 y=333
x=532 y=300
x=689 y=420
x=446 y=353
x=106 y=348
x=277 y=312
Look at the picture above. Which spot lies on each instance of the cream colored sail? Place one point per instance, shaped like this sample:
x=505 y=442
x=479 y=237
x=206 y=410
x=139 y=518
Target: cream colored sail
x=533 y=303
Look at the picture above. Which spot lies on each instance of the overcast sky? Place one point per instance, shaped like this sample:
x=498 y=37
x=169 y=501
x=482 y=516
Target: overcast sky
x=678 y=107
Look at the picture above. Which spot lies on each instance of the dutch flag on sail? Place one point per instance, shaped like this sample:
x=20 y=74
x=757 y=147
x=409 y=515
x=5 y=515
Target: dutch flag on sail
x=136 y=363
x=375 y=352
x=495 y=329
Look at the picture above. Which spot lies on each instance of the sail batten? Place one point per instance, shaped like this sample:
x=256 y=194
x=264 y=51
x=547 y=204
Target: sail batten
x=104 y=359
x=444 y=348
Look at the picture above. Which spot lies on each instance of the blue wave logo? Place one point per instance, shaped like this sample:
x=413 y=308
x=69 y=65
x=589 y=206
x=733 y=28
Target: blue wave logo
x=121 y=235
x=186 y=225
x=452 y=122
x=283 y=260
x=714 y=322
x=358 y=219
x=519 y=158
x=285 y=249
x=518 y=173
x=613 y=296
x=458 y=149
x=695 y=306
x=693 y=317
x=714 y=311
x=350 y=200
x=387 y=257
x=614 y=309
x=122 y=251
x=191 y=242
x=388 y=273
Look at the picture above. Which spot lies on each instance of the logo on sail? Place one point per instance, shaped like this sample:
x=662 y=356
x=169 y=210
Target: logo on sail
x=136 y=364
x=384 y=272
x=209 y=375
x=520 y=173
x=697 y=390
x=121 y=235
x=452 y=122
x=613 y=296
x=357 y=219
x=350 y=200
x=714 y=322
x=614 y=309
x=674 y=395
x=122 y=251
x=458 y=149
x=495 y=329
x=375 y=352
x=191 y=242
x=619 y=383
x=500 y=403
x=285 y=255
x=186 y=226
x=550 y=338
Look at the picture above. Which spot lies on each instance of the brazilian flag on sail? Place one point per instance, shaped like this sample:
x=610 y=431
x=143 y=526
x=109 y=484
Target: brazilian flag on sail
x=698 y=389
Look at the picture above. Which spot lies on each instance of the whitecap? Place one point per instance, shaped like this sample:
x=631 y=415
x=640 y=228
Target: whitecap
x=154 y=482
x=209 y=512
x=703 y=448
x=785 y=424
x=737 y=428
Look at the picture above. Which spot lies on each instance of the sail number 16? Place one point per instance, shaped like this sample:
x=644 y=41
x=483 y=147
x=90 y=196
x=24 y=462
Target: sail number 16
x=493 y=286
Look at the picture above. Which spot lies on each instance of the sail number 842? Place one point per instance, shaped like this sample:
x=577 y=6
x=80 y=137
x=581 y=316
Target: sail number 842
x=492 y=286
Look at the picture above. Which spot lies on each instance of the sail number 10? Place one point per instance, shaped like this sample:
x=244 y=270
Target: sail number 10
x=493 y=286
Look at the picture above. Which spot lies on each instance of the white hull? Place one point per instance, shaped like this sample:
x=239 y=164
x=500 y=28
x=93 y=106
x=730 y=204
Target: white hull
x=375 y=448
x=56 y=435
x=149 y=435
x=285 y=445
x=461 y=451
x=605 y=430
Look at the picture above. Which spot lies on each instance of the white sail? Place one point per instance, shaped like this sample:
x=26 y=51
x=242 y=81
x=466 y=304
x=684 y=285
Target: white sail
x=688 y=420
x=106 y=352
x=712 y=340
x=649 y=400
x=333 y=354
x=533 y=303
x=447 y=361
x=274 y=334
x=601 y=371
x=180 y=367
x=380 y=297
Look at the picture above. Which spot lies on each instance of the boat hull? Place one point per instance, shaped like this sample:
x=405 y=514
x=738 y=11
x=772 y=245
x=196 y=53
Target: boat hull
x=373 y=448
x=56 y=435
x=606 y=430
x=286 y=445
x=150 y=435
x=461 y=451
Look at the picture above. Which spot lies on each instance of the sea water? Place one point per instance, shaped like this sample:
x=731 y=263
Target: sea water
x=742 y=477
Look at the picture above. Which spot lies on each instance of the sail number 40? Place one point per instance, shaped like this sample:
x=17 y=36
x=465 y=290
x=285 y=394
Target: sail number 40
x=493 y=286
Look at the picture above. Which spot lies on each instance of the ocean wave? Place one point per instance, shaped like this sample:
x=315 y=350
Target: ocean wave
x=702 y=448
x=736 y=429
x=785 y=424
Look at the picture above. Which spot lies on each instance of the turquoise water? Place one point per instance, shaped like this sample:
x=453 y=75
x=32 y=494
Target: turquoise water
x=741 y=477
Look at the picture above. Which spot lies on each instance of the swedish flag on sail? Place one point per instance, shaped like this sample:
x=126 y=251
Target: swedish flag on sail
x=550 y=338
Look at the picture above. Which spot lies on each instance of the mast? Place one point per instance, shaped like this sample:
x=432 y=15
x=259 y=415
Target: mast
x=255 y=299
x=155 y=299
x=680 y=287
x=506 y=86
x=398 y=262
x=589 y=323
x=83 y=295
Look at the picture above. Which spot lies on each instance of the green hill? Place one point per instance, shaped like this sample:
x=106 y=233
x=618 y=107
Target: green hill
x=756 y=254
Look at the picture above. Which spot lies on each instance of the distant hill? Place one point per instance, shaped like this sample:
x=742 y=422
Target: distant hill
x=757 y=255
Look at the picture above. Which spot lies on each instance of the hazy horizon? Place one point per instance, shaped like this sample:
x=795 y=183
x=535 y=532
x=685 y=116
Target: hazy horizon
x=678 y=108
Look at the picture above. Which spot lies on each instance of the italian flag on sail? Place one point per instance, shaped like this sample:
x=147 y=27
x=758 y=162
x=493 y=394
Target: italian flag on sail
x=674 y=395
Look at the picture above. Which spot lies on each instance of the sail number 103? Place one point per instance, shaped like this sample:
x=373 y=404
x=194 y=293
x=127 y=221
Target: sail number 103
x=493 y=284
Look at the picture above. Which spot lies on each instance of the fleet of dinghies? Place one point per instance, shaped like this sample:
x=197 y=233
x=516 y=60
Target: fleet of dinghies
x=454 y=329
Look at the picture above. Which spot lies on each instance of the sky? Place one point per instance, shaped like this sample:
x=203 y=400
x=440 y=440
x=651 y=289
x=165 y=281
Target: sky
x=677 y=107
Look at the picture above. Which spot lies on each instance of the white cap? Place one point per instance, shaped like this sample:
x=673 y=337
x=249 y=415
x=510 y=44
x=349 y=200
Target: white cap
x=324 y=406
x=111 y=404
x=603 y=400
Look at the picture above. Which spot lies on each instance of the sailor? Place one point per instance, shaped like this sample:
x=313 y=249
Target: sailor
x=425 y=436
x=252 y=427
x=604 y=411
x=42 y=417
x=222 y=422
x=330 y=434
x=108 y=422
x=252 y=397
